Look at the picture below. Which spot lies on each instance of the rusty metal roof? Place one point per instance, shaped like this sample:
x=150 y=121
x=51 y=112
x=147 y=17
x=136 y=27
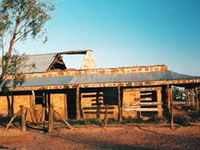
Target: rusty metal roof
x=131 y=77
x=42 y=62
x=106 y=78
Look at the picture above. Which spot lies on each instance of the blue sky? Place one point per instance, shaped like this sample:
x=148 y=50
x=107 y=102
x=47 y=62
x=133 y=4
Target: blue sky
x=126 y=32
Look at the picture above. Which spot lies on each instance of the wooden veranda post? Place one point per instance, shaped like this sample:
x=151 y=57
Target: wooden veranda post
x=170 y=105
x=198 y=99
x=98 y=105
x=33 y=98
x=168 y=97
x=12 y=119
x=106 y=116
x=23 y=121
x=119 y=104
x=186 y=96
x=78 y=103
x=50 y=126
x=172 y=116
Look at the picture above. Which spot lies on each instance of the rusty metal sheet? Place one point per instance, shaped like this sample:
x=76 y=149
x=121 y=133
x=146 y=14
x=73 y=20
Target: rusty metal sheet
x=130 y=77
x=143 y=77
x=41 y=62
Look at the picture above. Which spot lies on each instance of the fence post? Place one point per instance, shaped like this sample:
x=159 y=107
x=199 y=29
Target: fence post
x=119 y=104
x=23 y=121
x=78 y=103
x=172 y=116
x=50 y=126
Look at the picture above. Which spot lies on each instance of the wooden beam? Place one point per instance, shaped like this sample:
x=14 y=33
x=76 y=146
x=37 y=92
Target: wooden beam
x=198 y=98
x=23 y=121
x=50 y=126
x=142 y=109
x=166 y=97
x=172 y=117
x=119 y=104
x=159 y=105
x=169 y=96
x=12 y=119
x=78 y=103
x=99 y=103
x=150 y=103
x=144 y=89
x=68 y=125
x=186 y=96
x=193 y=97
x=170 y=105
x=74 y=52
x=106 y=116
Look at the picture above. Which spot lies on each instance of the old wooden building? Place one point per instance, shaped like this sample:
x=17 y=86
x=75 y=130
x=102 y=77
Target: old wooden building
x=90 y=92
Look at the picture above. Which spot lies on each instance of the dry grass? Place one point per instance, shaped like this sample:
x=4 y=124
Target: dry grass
x=122 y=137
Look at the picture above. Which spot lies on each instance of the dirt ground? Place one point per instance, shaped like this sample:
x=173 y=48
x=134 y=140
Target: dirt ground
x=124 y=137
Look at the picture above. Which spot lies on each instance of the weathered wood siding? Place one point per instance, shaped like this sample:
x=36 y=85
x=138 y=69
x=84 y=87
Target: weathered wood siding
x=130 y=102
x=59 y=102
x=24 y=100
x=15 y=102
x=3 y=105
x=137 y=101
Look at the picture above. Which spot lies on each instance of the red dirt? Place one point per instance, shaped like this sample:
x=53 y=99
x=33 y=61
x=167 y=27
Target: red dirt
x=126 y=137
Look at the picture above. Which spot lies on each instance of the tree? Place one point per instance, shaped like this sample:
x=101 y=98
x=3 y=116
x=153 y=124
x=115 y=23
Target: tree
x=19 y=20
x=12 y=76
x=177 y=93
x=22 y=18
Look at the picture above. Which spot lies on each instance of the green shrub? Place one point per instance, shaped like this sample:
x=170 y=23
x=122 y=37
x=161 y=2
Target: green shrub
x=95 y=121
x=188 y=108
x=75 y=122
x=133 y=120
x=112 y=121
x=155 y=119
x=5 y=120
x=16 y=124
x=182 y=120
x=195 y=116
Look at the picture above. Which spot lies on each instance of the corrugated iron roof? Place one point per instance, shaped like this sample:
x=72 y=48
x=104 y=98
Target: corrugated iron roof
x=62 y=80
x=106 y=78
x=131 y=77
x=42 y=62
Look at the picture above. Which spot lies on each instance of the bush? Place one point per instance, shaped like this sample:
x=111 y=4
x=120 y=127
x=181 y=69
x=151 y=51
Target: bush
x=94 y=121
x=133 y=120
x=195 y=116
x=4 y=121
x=86 y=122
x=188 y=108
x=112 y=121
x=75 y=122
x=155 y=119
x=182 y=120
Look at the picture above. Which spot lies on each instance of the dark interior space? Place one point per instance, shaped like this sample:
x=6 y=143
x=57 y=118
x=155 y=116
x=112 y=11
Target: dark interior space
x=71 y=103
x=40 y=98
x=110 y=96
